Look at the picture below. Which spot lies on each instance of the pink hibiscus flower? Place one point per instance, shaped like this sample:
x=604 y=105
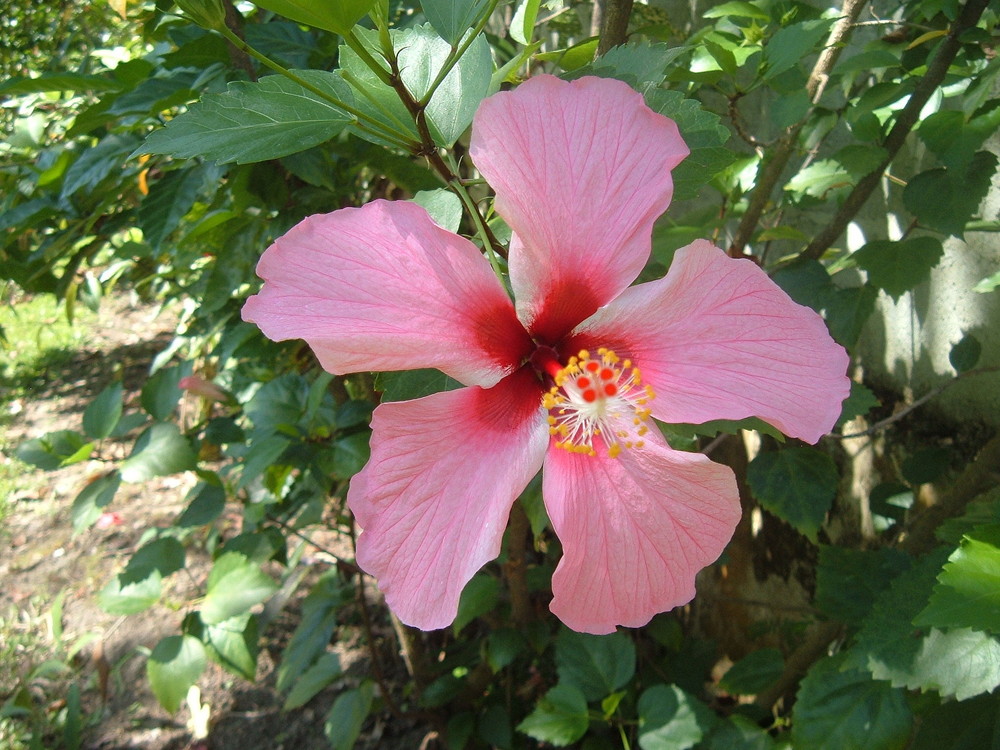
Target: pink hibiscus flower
x=567 y=380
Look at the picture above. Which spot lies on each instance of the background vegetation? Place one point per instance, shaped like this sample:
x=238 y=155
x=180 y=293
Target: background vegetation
x=160 y=151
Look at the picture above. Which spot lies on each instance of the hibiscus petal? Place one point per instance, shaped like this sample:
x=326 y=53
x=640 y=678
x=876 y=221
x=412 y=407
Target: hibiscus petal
x=581 y=170
x=635 y=530
x=717 y=339
x=434 y=498
x=382 y=287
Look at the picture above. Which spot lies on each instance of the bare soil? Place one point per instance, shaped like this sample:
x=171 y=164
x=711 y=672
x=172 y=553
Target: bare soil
x=41 y=558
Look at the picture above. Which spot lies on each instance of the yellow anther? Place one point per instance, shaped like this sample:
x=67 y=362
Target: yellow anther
x=613 y=450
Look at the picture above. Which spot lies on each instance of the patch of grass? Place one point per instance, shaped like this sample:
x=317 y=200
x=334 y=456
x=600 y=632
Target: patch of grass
x=40 y=680
x=36 y=339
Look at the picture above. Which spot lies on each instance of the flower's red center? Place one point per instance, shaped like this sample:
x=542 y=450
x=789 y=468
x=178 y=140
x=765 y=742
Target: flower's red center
x=593 y=397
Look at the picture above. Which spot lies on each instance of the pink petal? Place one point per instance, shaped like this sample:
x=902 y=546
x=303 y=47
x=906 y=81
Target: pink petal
x=434 y=498
x=382 y=287
x=635 y=530
x=717 y=339
x=581 y=170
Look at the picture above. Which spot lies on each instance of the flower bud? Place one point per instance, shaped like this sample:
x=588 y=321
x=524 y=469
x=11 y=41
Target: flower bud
x=208 y=14
x=201 y=387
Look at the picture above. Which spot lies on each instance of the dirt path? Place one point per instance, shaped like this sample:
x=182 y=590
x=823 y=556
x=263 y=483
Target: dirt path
x=41 y=559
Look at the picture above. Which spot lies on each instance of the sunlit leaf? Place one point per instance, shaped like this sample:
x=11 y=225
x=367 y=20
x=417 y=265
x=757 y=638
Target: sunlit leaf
x=337 y=16
x=251 y=122
x=560 y=717
x=671 y=719
x=175 y=664
x=234 y=586
x=967 y=594
x=158 y=451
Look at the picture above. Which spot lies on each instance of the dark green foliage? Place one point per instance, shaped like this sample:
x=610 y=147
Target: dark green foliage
x=170 y=174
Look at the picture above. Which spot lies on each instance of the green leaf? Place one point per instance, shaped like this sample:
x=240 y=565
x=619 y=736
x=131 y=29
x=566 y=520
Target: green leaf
x=234 y=586
x=754 y=672
x=736 y=9
x=671 y=719
x=955 y=141
x=168 y=200
x=495 y=727
x=102 y=414
x=262 y=455
x=452 y=19
x=158 y=451
x=848 y=310
x=164 y=555
x=805 y=281
x=965 y=354
x=233 y=645
x=793 y=43
x=337 y=16
x=983 y=510
x=850 y=581
x=54 y=450
x=444 y=207
x=967 y=594
x=93 y=499
x=926 y=465
x=311 y=636
x=162 y=391
x=350 y=454
x=422 y=53
x=343 y=723
x=324 y=670
x=738 y=733
x=960 y=663
x=503 y=646
x=860 y=159
x=728 y=426
x=819 y=179
x=897 y=267
x=596 y=664
x=961 y=725
x=251 y=122
x=174 y=666
x=479 y=596
x=987 y=284
x=127 y=596
x=641 y=65
x=945 y=199
x=704 y=134
x=522 y=25
x=797 y=484
x=844 y=709
x=860 y=401
x=410 y=384
x=279 y=405
x=560 y=718
x=47 y=82
x=207 y=504
x=97 y=163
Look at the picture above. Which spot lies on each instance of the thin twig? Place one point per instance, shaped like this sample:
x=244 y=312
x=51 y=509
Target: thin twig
x=772 y=170
x=937 y=391
x=905 y=121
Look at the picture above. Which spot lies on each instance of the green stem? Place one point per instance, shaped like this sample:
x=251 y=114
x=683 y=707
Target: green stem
x=490 y=243
x=368 y=124
x=456 y=54
x=359 y=49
